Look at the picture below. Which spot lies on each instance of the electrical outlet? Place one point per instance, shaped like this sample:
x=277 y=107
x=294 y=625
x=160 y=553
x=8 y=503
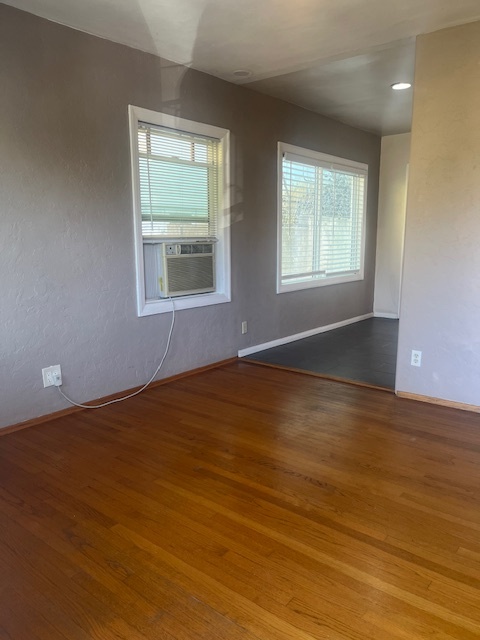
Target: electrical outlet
x=244 y=327
x=416 y=360
x=52 y=376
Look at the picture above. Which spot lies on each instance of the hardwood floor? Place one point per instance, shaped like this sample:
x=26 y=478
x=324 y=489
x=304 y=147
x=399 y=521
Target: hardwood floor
x=243 y=503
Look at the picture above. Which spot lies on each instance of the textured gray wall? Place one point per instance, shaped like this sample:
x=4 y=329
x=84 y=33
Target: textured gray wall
x=440 y=306
x=66 y=233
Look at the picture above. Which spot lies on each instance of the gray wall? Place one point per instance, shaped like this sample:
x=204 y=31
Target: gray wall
x=66 y=233
x=392 y=202
x=440 y=307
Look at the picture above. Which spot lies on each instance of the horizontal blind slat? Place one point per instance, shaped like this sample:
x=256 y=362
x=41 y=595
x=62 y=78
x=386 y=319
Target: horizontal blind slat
x=322 y=217
x=179 y=183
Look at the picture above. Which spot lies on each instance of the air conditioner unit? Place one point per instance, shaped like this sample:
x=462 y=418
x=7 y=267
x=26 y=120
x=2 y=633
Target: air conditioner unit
x=178 y=268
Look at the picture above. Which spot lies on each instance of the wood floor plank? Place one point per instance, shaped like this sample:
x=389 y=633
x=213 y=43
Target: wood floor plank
x=246 y=503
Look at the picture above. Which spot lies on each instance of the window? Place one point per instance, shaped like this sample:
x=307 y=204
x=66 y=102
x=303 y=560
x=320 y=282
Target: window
x=180 y=175
x=321 y=219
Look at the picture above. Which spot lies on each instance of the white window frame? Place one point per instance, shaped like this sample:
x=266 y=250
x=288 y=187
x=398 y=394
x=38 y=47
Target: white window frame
x=283 y=147
x=222 y=293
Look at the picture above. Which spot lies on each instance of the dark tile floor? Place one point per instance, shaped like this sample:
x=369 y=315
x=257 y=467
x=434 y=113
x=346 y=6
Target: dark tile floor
x=365 y=351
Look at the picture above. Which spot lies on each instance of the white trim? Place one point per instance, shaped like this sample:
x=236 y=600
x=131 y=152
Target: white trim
x=187 y=302
x=280 y=148
x=320 y=159
x=133 y=117
x=174 y=122
x=304 y=334
x=381 y=314
x=319 y=282
x=223 y=263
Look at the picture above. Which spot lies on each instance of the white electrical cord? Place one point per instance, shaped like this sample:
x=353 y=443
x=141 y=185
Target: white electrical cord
x=135 y=393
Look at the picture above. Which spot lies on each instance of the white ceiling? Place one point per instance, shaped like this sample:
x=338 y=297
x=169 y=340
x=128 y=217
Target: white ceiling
x=337 y=57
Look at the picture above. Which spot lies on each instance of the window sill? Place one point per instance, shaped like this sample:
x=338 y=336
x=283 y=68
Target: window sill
x=188 y=302
x=317 y=282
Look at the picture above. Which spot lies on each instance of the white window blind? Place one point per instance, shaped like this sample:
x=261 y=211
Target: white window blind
x=179 y=183
x=322 y=218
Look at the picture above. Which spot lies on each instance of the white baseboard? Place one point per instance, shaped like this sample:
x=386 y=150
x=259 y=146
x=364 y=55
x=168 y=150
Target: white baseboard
x=380 y=314
x=304 y=334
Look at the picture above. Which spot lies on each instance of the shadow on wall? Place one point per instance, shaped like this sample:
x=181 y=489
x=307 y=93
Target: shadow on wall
x=180 y=87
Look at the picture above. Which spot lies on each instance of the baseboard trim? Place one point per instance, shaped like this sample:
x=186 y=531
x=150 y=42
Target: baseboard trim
x=315 y=374
x=304 y=334
x=391 y=316
x=33 y=422
x=439 y=401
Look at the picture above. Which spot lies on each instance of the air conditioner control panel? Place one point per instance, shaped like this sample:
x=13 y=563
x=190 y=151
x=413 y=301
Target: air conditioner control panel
x=187 y=248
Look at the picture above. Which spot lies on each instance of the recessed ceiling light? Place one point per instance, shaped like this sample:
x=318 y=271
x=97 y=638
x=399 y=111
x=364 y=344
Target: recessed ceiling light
x=242 y=73
x=400 y=86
